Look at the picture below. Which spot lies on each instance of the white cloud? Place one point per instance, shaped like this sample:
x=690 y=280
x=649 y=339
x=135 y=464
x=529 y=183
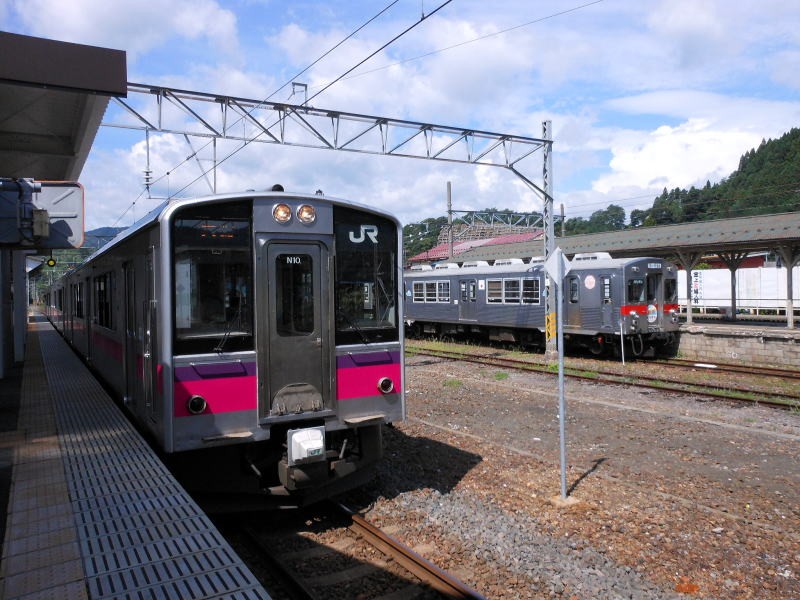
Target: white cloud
x=674 y=156
x=130 y=25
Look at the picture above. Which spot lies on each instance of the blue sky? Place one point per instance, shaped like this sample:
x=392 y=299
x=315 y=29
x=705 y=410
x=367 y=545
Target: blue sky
x=641 y=95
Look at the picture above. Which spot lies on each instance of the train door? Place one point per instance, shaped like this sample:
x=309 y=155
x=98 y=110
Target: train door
x=655 y=301
x=572 y=302
x=606 y=303
x=468 y=305
x=295 y=344
x=90 y=321
x=69 y=309
x=132 y=357
x=149 y=341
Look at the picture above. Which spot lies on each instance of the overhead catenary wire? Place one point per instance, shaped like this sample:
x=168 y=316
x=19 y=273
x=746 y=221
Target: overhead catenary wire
x=342 y=76
x=473 y=40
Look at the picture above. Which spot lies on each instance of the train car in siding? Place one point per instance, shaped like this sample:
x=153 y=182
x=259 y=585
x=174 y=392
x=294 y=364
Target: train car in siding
x=255 y=337
x=606 y=303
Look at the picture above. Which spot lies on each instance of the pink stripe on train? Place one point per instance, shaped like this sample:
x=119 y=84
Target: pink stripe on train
x=360 y=382
x=228 y=394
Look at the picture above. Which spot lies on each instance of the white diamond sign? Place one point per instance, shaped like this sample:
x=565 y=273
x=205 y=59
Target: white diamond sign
x=557 y=265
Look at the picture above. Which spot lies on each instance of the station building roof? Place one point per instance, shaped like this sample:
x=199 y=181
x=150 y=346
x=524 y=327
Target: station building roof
x=442 y=251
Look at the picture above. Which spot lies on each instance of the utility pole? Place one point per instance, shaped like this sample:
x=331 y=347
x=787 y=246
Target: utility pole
x=551 y=307
x=449 y=221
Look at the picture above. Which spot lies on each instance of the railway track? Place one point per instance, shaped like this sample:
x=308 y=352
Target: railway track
x=727 y=368
x=716 y=389
x=339 y=554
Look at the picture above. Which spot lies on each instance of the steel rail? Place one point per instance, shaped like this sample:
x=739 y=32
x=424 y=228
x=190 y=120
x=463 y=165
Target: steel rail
x=727 y=367
x=430 y=574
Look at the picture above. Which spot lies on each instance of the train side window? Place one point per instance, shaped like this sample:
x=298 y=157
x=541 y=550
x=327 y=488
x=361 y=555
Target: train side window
x=511 y=291
x=430 y=291
x=605 y=284
x=419 y=291
x=531 y=291
x=494 y=290
x=574 y=290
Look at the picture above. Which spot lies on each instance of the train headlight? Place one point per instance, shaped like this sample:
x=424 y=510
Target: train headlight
x=307 y=214
x=196 y=405
x=385 y=385
x=282 y=213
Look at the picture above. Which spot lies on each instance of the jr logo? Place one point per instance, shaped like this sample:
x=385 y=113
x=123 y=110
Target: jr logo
x=367 y=231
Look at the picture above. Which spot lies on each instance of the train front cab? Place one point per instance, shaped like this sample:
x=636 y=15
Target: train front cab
x=608 y=302
x=650 y=311
x=286 y=337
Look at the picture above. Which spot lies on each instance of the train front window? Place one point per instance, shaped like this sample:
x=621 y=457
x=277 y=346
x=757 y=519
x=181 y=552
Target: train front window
x=213 y=276
x=636 y=290
x=365 y=288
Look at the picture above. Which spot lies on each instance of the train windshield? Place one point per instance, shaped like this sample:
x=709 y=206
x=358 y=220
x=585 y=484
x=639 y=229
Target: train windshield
x=636 y=290
x=365 y=289
x=213 y=293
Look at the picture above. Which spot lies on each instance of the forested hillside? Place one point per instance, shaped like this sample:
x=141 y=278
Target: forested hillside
x=767 y=181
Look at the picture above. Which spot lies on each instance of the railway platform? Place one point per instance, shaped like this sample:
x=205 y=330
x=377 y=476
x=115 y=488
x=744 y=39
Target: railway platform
x=763 y=344
x=91 y=510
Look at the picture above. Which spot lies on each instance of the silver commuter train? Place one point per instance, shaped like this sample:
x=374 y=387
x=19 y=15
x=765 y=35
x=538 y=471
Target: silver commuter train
x=605 y=301
x=252 y=334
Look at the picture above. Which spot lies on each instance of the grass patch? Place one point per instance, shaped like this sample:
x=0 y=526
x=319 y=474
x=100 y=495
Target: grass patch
x=453 y=383
x=500 y=376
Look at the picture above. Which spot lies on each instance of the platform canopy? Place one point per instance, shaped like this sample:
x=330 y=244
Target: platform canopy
x=52 y=99
x=760 y=233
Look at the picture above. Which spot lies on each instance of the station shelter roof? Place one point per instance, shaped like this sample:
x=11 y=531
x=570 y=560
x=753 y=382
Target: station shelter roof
x=744 y=234
x=52 y=98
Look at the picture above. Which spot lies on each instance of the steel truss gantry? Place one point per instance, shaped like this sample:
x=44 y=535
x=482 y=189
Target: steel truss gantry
x=181 y=112
x=157 y=109
x=473 y=218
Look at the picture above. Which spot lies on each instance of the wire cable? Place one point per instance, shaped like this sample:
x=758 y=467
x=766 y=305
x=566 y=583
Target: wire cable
x=477 y=39
x=249 y=112
x=350 y=70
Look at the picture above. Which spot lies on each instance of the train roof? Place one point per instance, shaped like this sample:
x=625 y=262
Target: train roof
x=169 y=205
x=581 y=264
